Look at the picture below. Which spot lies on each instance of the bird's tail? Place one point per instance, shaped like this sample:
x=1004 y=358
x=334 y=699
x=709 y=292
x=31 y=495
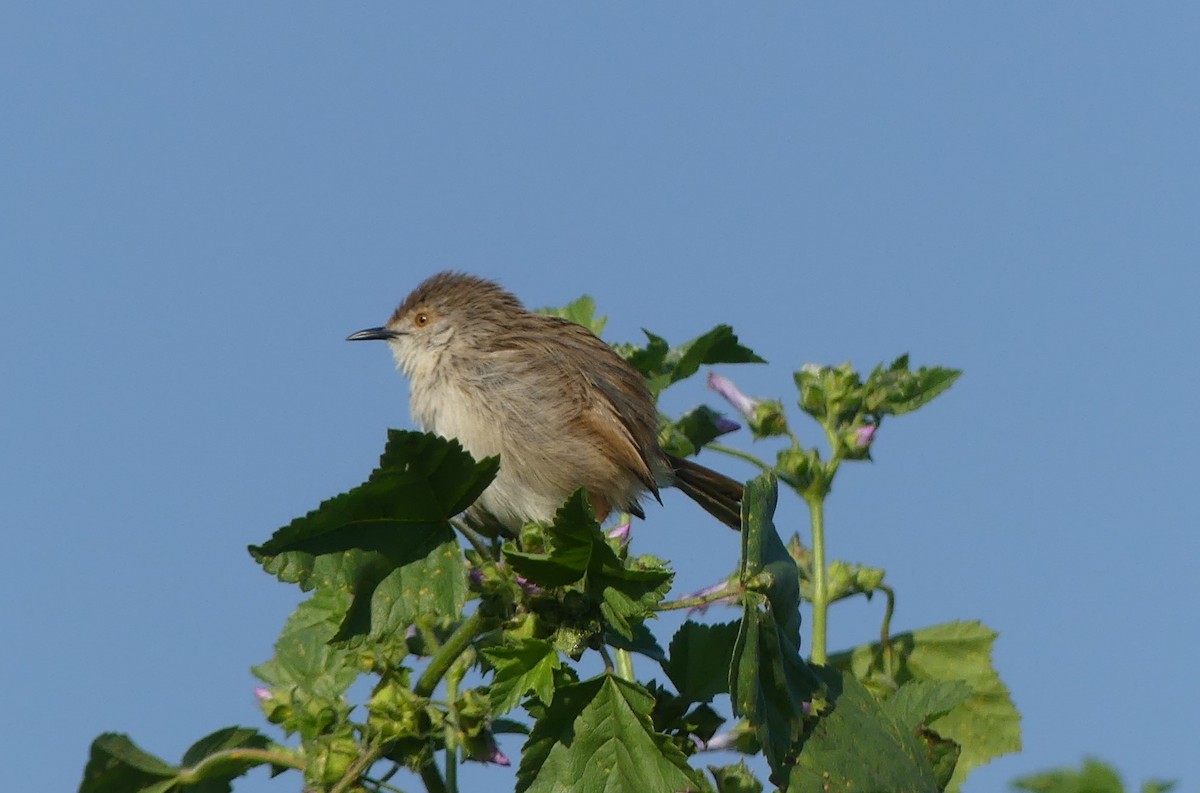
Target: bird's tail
x=719 y=495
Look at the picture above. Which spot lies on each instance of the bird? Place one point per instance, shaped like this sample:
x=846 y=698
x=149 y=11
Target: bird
x=558 y=405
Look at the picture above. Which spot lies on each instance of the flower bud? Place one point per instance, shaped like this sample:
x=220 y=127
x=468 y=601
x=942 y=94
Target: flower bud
x=725 y=387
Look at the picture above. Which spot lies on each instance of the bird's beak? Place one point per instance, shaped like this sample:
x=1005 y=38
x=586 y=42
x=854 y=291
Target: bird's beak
x=386 y=334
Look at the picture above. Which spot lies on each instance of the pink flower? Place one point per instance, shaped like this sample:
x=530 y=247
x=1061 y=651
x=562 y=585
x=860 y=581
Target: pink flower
x=721 y=586
x=864 y=435
x=262 y=694
x=620 y=533
x=725 y=387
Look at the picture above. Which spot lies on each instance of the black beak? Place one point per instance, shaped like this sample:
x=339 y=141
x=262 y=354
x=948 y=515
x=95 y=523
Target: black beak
x=386 y=334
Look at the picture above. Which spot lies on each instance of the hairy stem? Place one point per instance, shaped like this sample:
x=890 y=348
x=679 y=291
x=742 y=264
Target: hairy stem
x=700 y=599
x=279 y=757
x=820 y=585
x=738 y=453
x=448 y=653
x=450 y=730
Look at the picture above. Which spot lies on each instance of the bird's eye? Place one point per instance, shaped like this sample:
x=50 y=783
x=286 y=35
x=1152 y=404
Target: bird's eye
x=421 y=320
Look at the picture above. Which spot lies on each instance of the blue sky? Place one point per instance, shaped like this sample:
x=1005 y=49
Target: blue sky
x=199 y=202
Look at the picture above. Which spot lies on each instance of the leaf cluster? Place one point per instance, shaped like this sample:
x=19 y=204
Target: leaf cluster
x=461 y=637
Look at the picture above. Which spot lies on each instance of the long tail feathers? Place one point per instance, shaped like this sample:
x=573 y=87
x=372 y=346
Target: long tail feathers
x=719 y=495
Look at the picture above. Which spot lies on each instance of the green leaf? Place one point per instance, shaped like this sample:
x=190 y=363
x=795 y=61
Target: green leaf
x=597 y=736
x=522 y=668
x=735 y=779
x=389 y=540
x=766 y=565
x=701 y=656
x=896 y=390
x=769 y=681
x=308 y=675
x=643 y=643
x=691 y=432
x=987 y=724
x=579 y=551
x=835 y=756
x=628 y=591
x=117 y=765
x=573 y=537
x=663 y=366
x=422 y=481
x=434 y=585
x=581 y=311
x=915 y=702
x=1093 y=777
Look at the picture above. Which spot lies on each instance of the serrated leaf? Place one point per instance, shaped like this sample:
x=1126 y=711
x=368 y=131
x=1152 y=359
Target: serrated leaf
x=422 y=481
x=663 y=365
x=735 y=779
x=987 y=724
x=701 y=656
x=643 y=643
x=433 y=585
x=769 y=681
x=389 y=538
x=598 y=736
x=627 y=592
x=835 y=756
x=308 y=674
x=579 y=551
x=581 y=311
x=523 y=668
x=896 y=390
x=117 y=765
x=1093 y=777
x=574 y=537
x=693 y=431
x=917 y=701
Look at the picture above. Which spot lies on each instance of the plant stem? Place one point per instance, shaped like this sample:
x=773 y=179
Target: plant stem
x=450 y=729
x=700 y=600
x=738 y=453
x=625 y=665
x=478 y=541
x=820 y=585
x=279 y=757
x=885 y=633
x=357 y=769
x=448 y=653
x=432 y=778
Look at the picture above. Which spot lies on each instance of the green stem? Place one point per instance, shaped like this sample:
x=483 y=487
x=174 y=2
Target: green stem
x=820 y=584
x=451 y=728
x=738 y=453
x=357 y=769
x=448 y=653
x=277 y=757
x=609 y=666
x=432 y=778
x=477 y=540
x=885 y=633
x=698 y=601
x=625 y=665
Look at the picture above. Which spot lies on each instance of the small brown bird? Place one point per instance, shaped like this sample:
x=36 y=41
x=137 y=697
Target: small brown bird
x=561 y=409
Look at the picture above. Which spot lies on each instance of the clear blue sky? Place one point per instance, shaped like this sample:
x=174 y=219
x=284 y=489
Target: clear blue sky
x=198 y=201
